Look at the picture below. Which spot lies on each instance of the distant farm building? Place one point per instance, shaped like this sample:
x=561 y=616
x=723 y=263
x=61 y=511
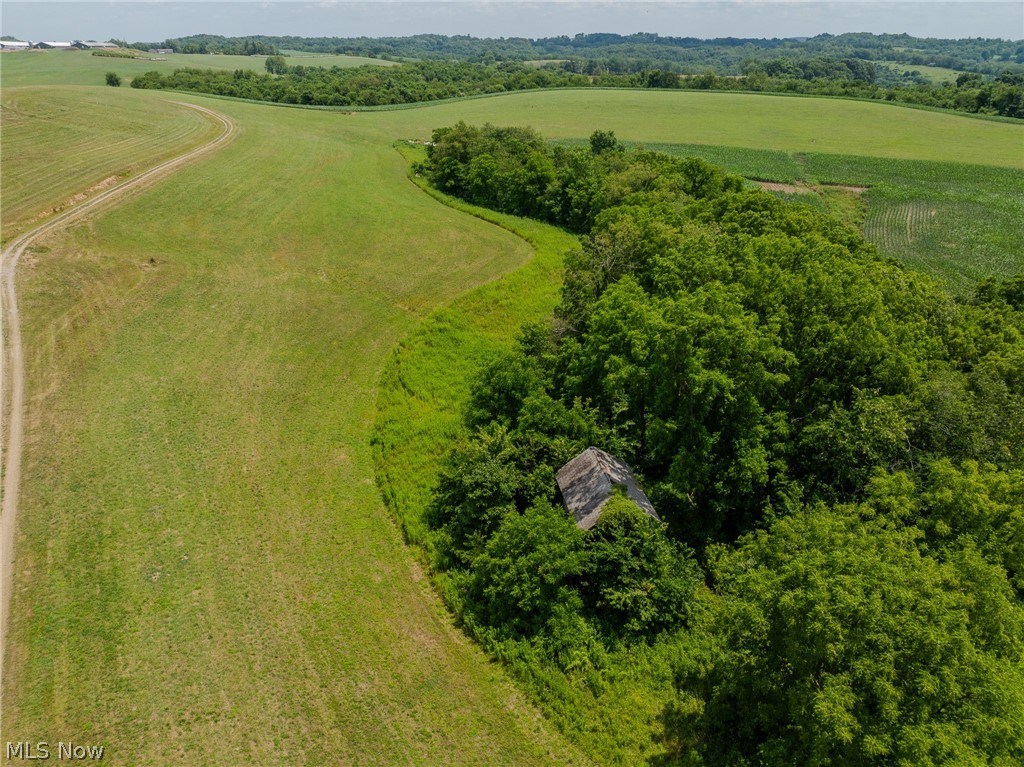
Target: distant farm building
x=588 y=481
x=94 y=44
x=14 y=45
x=161 y=50
x=51 y=44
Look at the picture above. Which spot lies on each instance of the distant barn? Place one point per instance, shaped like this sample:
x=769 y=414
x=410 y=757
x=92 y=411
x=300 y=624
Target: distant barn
x=588 y=481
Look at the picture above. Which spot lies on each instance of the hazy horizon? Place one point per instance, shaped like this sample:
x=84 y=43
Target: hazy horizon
x=156 y=21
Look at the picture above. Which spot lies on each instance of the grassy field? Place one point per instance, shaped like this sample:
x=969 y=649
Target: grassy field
x=780 y=123
x=932 y=74
x=61 y=143
x=331 y=60
x=82 y=68
x=206 y=573
x=427 y=378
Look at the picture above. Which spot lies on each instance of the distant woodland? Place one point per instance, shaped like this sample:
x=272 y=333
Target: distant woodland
x=834 y=444
x=432 y=78
x=622 y=54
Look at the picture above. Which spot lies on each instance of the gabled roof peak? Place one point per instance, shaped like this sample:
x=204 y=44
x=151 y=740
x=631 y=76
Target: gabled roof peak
x=588 y=480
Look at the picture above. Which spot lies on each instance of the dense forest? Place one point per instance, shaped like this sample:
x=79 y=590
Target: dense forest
x=432 y=80
x=834 y=445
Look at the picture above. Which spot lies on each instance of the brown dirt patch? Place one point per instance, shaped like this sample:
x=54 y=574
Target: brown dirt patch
x=772 y=186
x=801 y=187
x=417 y=571
x=98 y=187
x=107 y=182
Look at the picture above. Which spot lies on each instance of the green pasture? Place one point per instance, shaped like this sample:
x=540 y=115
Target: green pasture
x=331 y=60
x=752 y=121
x=82 y=68
x=458 y=337
x=538 y=63
x=206 y=572
x=932 y=74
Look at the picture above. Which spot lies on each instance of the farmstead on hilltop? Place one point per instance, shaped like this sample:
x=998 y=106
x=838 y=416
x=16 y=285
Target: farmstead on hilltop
x=588 y=481
x=74 y=45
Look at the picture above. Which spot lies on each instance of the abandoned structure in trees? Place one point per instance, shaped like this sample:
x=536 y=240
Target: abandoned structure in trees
x=588 y=481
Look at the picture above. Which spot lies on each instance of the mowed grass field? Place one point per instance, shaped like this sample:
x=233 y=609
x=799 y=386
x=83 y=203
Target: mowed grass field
x=82 y=68
x=60 y=143
x=970 y=172
x=782 y=123
x=205 y=572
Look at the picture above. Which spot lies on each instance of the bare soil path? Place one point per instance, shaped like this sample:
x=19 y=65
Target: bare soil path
x=12 y=363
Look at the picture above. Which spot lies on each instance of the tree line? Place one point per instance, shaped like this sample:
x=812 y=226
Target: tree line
x=362 y=86
x=257 y=45
x=1002 y=95
x=432 y=80
x=834 y=443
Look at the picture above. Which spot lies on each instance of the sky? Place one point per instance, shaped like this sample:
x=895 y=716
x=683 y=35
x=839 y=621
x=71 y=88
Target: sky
x=158 y=20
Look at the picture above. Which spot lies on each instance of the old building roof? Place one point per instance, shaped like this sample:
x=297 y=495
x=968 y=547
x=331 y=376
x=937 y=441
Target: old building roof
x=588 y=480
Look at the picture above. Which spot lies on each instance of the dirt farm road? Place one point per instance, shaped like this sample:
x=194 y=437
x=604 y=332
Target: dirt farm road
x=12 y=363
